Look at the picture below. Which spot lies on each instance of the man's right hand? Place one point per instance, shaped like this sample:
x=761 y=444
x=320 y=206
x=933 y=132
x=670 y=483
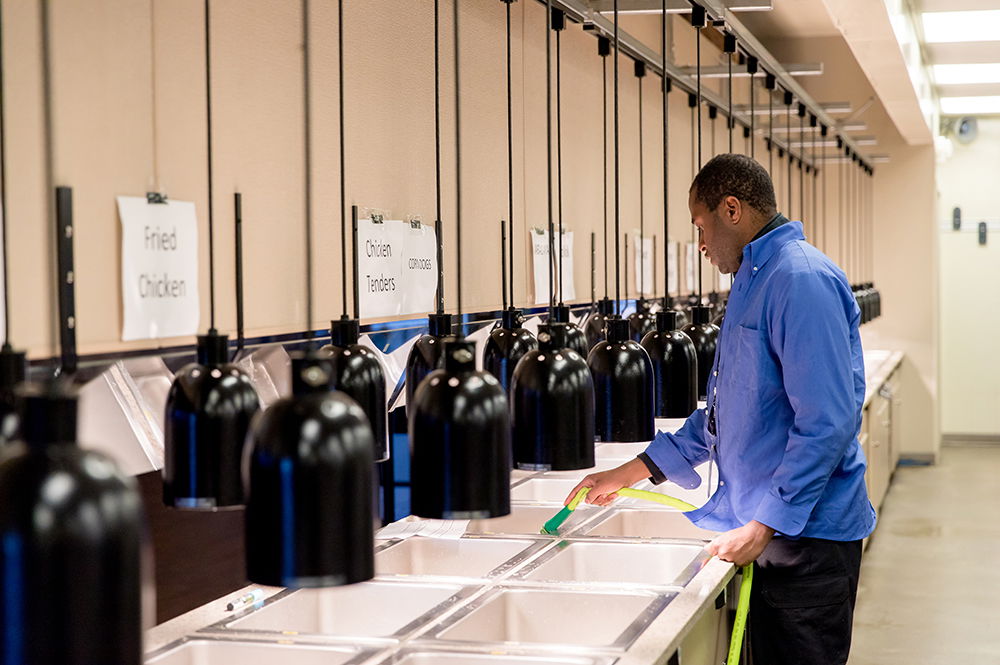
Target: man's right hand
x=603 y=485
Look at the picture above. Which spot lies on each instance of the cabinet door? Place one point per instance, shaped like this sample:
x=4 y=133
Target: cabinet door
x=878 y=431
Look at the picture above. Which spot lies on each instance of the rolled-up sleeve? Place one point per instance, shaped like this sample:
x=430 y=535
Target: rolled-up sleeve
x=815 y=354
x=676 y=455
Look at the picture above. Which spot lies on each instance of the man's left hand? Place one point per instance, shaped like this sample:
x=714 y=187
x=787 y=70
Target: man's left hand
x=742 y=545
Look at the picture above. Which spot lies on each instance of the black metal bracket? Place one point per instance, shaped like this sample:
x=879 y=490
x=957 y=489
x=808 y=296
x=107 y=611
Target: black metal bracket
x=640 y=68
x=692 y=100
x=66 y=279
x=603 y=46
x=155 y=197
x=699 y=19
x=558 y=19
x=752 y=65
x=729 y=43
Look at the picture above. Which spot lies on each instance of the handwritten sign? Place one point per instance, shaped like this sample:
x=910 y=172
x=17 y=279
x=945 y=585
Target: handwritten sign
x=540 y=265
x=397 y=268
x=159 y=268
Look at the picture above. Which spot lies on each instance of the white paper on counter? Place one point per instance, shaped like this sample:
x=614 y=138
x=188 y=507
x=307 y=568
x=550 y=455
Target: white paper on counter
x=159 y=268
x=397 y=268
x=642 y=255
x=407 y=528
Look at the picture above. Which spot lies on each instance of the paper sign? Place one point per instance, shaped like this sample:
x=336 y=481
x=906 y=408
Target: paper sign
x=672 y=267
x=397 y=268
x=540 y=263
x=159 y=268
x=643 y=273
x=691 y=265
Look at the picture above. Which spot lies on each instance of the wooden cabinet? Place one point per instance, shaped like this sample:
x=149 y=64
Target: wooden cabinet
x=881 y=441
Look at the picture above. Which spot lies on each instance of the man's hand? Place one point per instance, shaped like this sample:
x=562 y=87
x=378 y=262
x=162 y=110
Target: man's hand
x=743 y=545
x=603 y=485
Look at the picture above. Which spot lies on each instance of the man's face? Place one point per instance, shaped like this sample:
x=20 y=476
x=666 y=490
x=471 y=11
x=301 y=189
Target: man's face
x=720 y=233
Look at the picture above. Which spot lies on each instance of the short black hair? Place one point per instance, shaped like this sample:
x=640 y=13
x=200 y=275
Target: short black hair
x=730 y=174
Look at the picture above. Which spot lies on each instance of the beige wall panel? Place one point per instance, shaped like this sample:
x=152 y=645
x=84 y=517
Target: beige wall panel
x=29 y=230
x=102 y=141
x=970 y=306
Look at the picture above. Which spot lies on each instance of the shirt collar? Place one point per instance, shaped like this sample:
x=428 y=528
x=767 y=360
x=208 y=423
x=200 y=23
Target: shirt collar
x=776 y=233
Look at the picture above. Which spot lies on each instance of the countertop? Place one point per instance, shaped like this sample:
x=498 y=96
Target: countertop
x=661 y=637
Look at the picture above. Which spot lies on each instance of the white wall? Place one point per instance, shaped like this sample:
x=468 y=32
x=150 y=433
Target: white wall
x=970 y=279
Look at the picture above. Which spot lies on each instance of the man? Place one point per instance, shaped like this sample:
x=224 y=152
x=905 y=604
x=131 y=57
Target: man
x=783 y=414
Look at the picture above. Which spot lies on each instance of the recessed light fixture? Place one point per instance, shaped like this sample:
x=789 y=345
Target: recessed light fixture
x=970 y=105
x=967 y=73
x=974 y=26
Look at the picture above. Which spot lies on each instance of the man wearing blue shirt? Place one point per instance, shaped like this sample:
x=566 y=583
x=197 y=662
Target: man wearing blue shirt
x=784 y=410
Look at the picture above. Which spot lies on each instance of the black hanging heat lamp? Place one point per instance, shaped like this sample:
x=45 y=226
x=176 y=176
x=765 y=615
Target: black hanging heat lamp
x=705 y=336
x=702 y=332
x=552 y=393
x=593 y=327
x=459 y=423
x=623 y=374
x=13 y=364
x=426 y=353
x=308 y=466
x=641 y=320
x=560 y=313
x=211 y=401
x=507 y=343
x=552 y=406
x=671 y=352
x=73 y=534
x=357 y=371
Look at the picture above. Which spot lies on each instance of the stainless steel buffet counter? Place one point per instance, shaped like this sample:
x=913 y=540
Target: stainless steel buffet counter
x=628 y=584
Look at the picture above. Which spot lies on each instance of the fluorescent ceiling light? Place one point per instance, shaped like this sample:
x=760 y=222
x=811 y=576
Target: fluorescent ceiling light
x=974 y=26
x=970 y=105
x=957 y=74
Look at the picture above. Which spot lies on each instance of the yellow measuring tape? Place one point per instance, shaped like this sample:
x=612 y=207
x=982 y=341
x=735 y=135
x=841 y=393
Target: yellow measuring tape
x=742 y=605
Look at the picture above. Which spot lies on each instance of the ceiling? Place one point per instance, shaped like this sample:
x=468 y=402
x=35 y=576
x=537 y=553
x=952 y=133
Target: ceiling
x=798 y=18
x=961 y=46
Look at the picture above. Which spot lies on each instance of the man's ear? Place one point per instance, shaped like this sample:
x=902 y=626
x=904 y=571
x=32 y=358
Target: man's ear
x=733 y=209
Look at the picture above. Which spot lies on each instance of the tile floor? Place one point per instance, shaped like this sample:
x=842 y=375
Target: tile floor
x=930 y=578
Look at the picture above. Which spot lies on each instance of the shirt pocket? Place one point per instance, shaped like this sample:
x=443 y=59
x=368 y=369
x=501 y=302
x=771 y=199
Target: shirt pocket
x=752 y=366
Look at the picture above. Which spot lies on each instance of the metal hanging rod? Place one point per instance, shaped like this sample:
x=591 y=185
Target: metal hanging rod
x=584 y=12
x=847 y=127
x=829 y=107
x=721 y=71
x=675 y=6
x=831 y=142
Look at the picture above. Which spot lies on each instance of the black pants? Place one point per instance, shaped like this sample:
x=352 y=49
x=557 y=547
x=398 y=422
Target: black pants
x=802 y=602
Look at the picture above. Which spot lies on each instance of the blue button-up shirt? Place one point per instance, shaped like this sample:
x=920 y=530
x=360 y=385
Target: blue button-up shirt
x=787 y=387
